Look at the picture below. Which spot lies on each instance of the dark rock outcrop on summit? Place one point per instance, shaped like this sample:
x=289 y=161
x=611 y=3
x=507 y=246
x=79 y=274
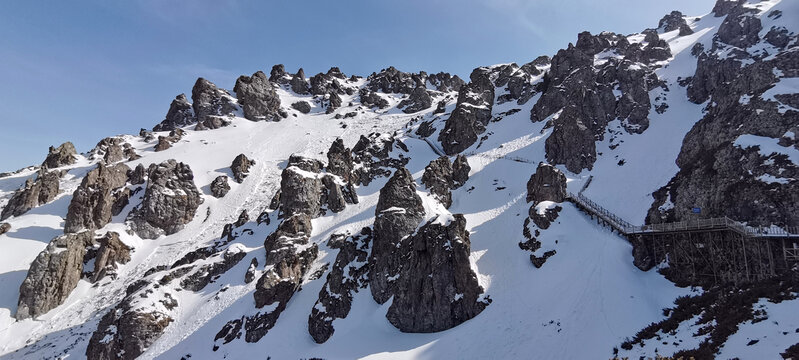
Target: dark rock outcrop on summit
x=298 y=83
x=53 y=274
x=325 y=83
x=220 y=186
x=471 y=115
x=241 y=167
x=674 y=21
x=34 y=193
x=399 y=211
x=180 y=114
x=100 y=196
x=170 y=201
x=257 y=97
x=208 y=100
x=437 y=288
x=64 y=154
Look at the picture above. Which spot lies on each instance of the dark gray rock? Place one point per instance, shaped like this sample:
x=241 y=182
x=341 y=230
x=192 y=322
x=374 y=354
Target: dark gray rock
x=278 y=74
x=257 y=97
x=372 y=100
x=241 y=167
x=471 y=115
x=207 y=100
x=437 y=178
x=571 y=143
x=163 y=144
x=208 y=273
x=348 y=274
x=339 y=160
x=332 y=194
x=398 y=213
x=126 y=331
x=288 y=258
x=445 y=82
x=724 y=7
x=374 y=154
x=220 y=187
x=546 y=184
x=391 y=80
x=302 y=106
x=4 y=228
x=112 y=251
x=249 y=276
x=34 y=193
x=740 y=28
x=672 y=21
x=305 y=163
x=298 y=83
x=180 y=114
x=170 y=201
x=436 y=289
x=212 y=122
x=418 y=100
x=64 y=154
x=460 y=171
x=99 y=194
x=300 y=192
x=138 y=175
x=53 y=274
x=334 y=102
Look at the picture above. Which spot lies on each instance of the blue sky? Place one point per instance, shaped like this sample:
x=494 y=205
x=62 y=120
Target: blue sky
x=80 y=71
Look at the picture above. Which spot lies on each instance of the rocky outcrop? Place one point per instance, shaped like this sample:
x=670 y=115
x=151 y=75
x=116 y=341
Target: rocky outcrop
x=398 y=213
x=418 y=100
x=348 y=274
x=302 y=106
x=199 y=278
x=672 y=21
x=112 y=251
x=207 y=100
x=241 y=167
x=278 y=75
x=64 y=154
x=220 y=187
x=471 y=115
x=53 y=274
x=257 y=97
x=325 y=83
x=724 y=7
x=546 y=184
x=437 y=178
x=436 y=288
x=138 y=175
x=298 y=83
x=391 y=80
x=445 y=82
x=126 y=331
x=372 y=99
x=170 y=201
x=571 y=143
x=339 y=160
x=460 y=171
x=289 y=256
x=4 y=228
x=300 y=192
x=373 y=153
x=180 y=114
x=100 y=196
x=34 y=193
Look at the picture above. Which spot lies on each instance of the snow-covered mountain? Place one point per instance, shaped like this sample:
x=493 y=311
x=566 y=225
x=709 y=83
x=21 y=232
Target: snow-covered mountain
x=416 y=215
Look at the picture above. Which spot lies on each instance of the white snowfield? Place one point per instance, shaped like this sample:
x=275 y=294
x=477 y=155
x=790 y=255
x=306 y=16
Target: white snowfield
x=586 y=300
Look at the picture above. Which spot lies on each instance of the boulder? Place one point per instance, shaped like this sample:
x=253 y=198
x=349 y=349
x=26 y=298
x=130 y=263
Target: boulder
x=220 y=187
x=257 y=97
x=207 y=100
x=4 y=228
x=278 y=75
x=138 y=175
x=163 y=144
x=436 y=288
x=546 y=184
x=170 y=201
x=339 y=160
x=672 y=21
x=398 y=213
x=98 y=195
x=460 y=171
x=298 y=83
x=418 y=100
x=180 y=114
x=302 y=106
x=112 y=251
x=64 y=154
x=300 y=192
x=126 y=331
x=53 y=274
x=241 y=167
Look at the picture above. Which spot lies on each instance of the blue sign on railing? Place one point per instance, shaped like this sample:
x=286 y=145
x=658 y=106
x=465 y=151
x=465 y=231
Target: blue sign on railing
x=696 y=210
